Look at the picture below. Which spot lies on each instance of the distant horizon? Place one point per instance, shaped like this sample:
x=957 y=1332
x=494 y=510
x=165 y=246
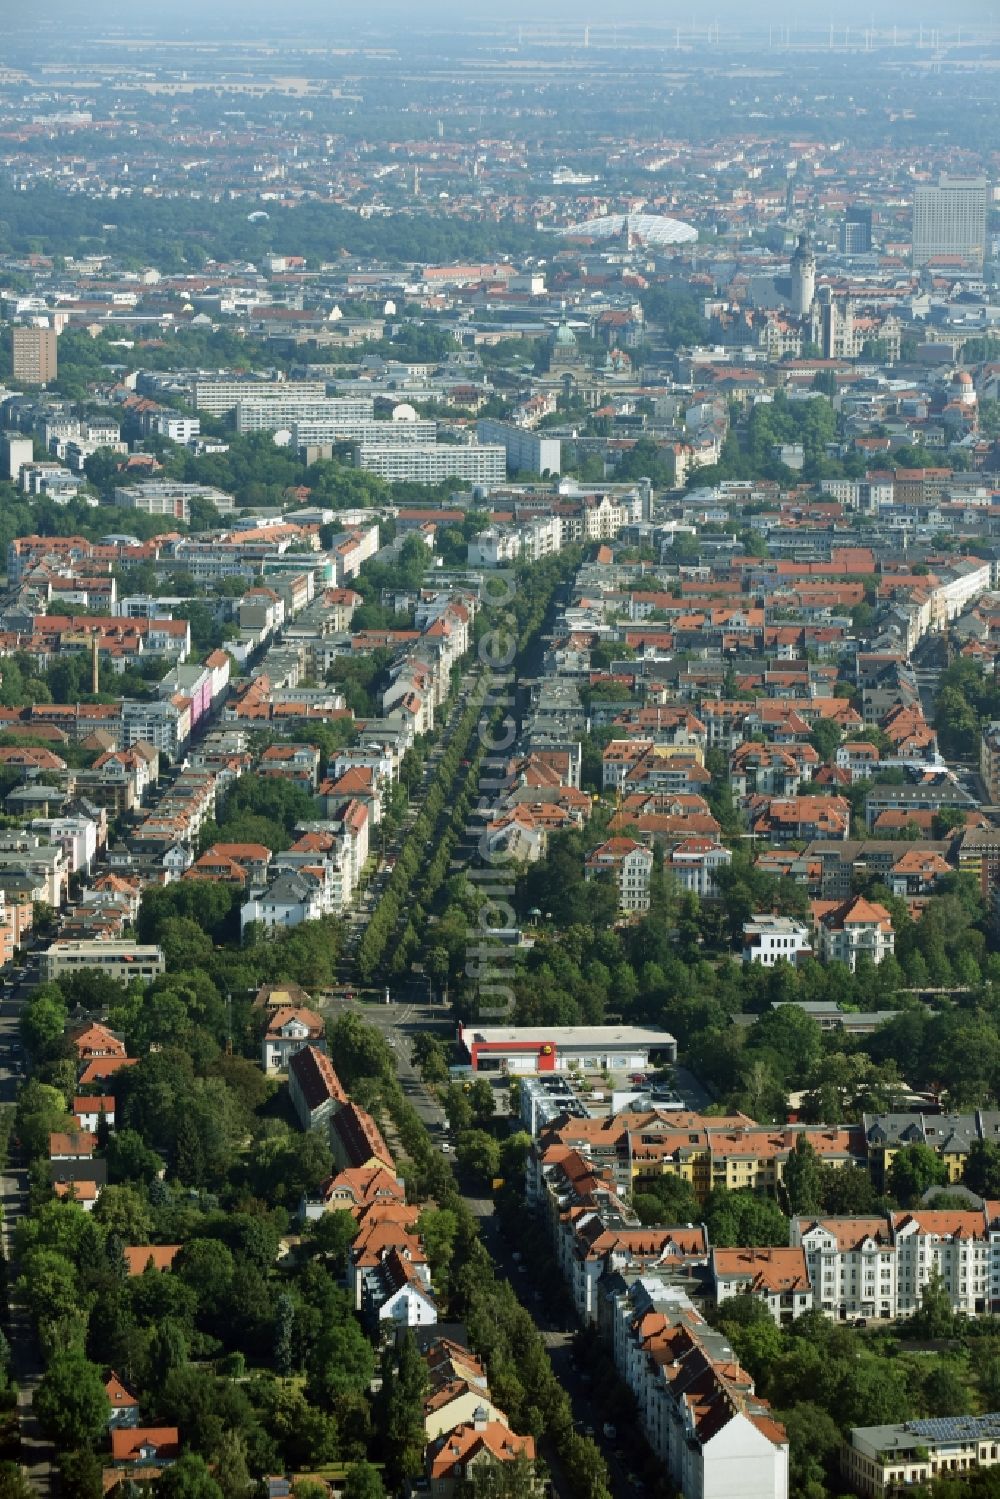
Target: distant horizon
x=319 y=14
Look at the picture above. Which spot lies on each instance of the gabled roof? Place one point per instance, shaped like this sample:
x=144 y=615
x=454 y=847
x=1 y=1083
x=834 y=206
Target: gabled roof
x=452 y=1453
x=119 y=1393
x=359 y=1187
x=287 y=1014
x=100 y=1068
x=79 y=1143
x=767 y=1270
x=128 y=1442
x=316 y=1079
x=360 y=1137
x=138 y=1256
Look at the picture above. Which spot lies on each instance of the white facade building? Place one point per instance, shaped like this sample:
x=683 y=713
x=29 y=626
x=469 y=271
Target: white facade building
x=526 y=451
x=221 y=396
x=431 y=463
x=767 y=938
x=256 y=415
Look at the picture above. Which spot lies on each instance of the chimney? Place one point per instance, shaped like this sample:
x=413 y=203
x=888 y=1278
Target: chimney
x=94 y=668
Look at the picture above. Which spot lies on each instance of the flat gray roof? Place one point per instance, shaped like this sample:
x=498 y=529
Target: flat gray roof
x=569 y=1035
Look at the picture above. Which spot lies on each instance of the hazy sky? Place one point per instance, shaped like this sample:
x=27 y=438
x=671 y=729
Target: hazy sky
x=331 y=15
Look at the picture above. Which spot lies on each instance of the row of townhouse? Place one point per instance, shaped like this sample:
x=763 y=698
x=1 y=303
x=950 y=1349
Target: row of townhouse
x=161 y=846
x=643 y=765
x=693 y=862
x=731 y=721
x=317 y=875
x=120 y=642
x=79 y=1174
x=794 y=819
x=389 y=1281
x=643 y=1140
x=878 y=1267
x=870 y=1268
x=544 y=523
x=186 y=695
x=771 y=770
x=269 y=698
x=830 y=869
x=732 y=1151
x=388 y=1275
x=245 y=551
x=314 y=878
x=697 y=1407
x=537 y=794
x=78 y=1171
x=639 y=1285
x=62 y=552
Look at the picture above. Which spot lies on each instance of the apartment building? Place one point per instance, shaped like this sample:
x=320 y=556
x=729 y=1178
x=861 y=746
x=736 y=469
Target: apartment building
x=989 y=760
x=768 y=938
x=123 y=961
x=778 y=1277
x=877 y=1267
x=629 y=865
x=883 y=1460
x=26 y=856
x=432 y=463
x=317 y=431
x=219 y=397
x=173 y=426
x=851 y=930
x=166 y=725
x=351 y=549
x=35 y=357
x=289 y=407
x=291 y=1029
x=499 y=546
x=76 y=836
x=697 y=1406
x=695 y=863
x=167 y=497
x=527 y=452
x=933 y=796
x=290 y=898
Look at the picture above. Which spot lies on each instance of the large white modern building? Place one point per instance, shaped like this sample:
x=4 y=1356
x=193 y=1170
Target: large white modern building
x=310 y=430
x=767 y=938
x=220 y=396
x=256 y=415
x=527 y=451
x=949 y=222
x=431 y=463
